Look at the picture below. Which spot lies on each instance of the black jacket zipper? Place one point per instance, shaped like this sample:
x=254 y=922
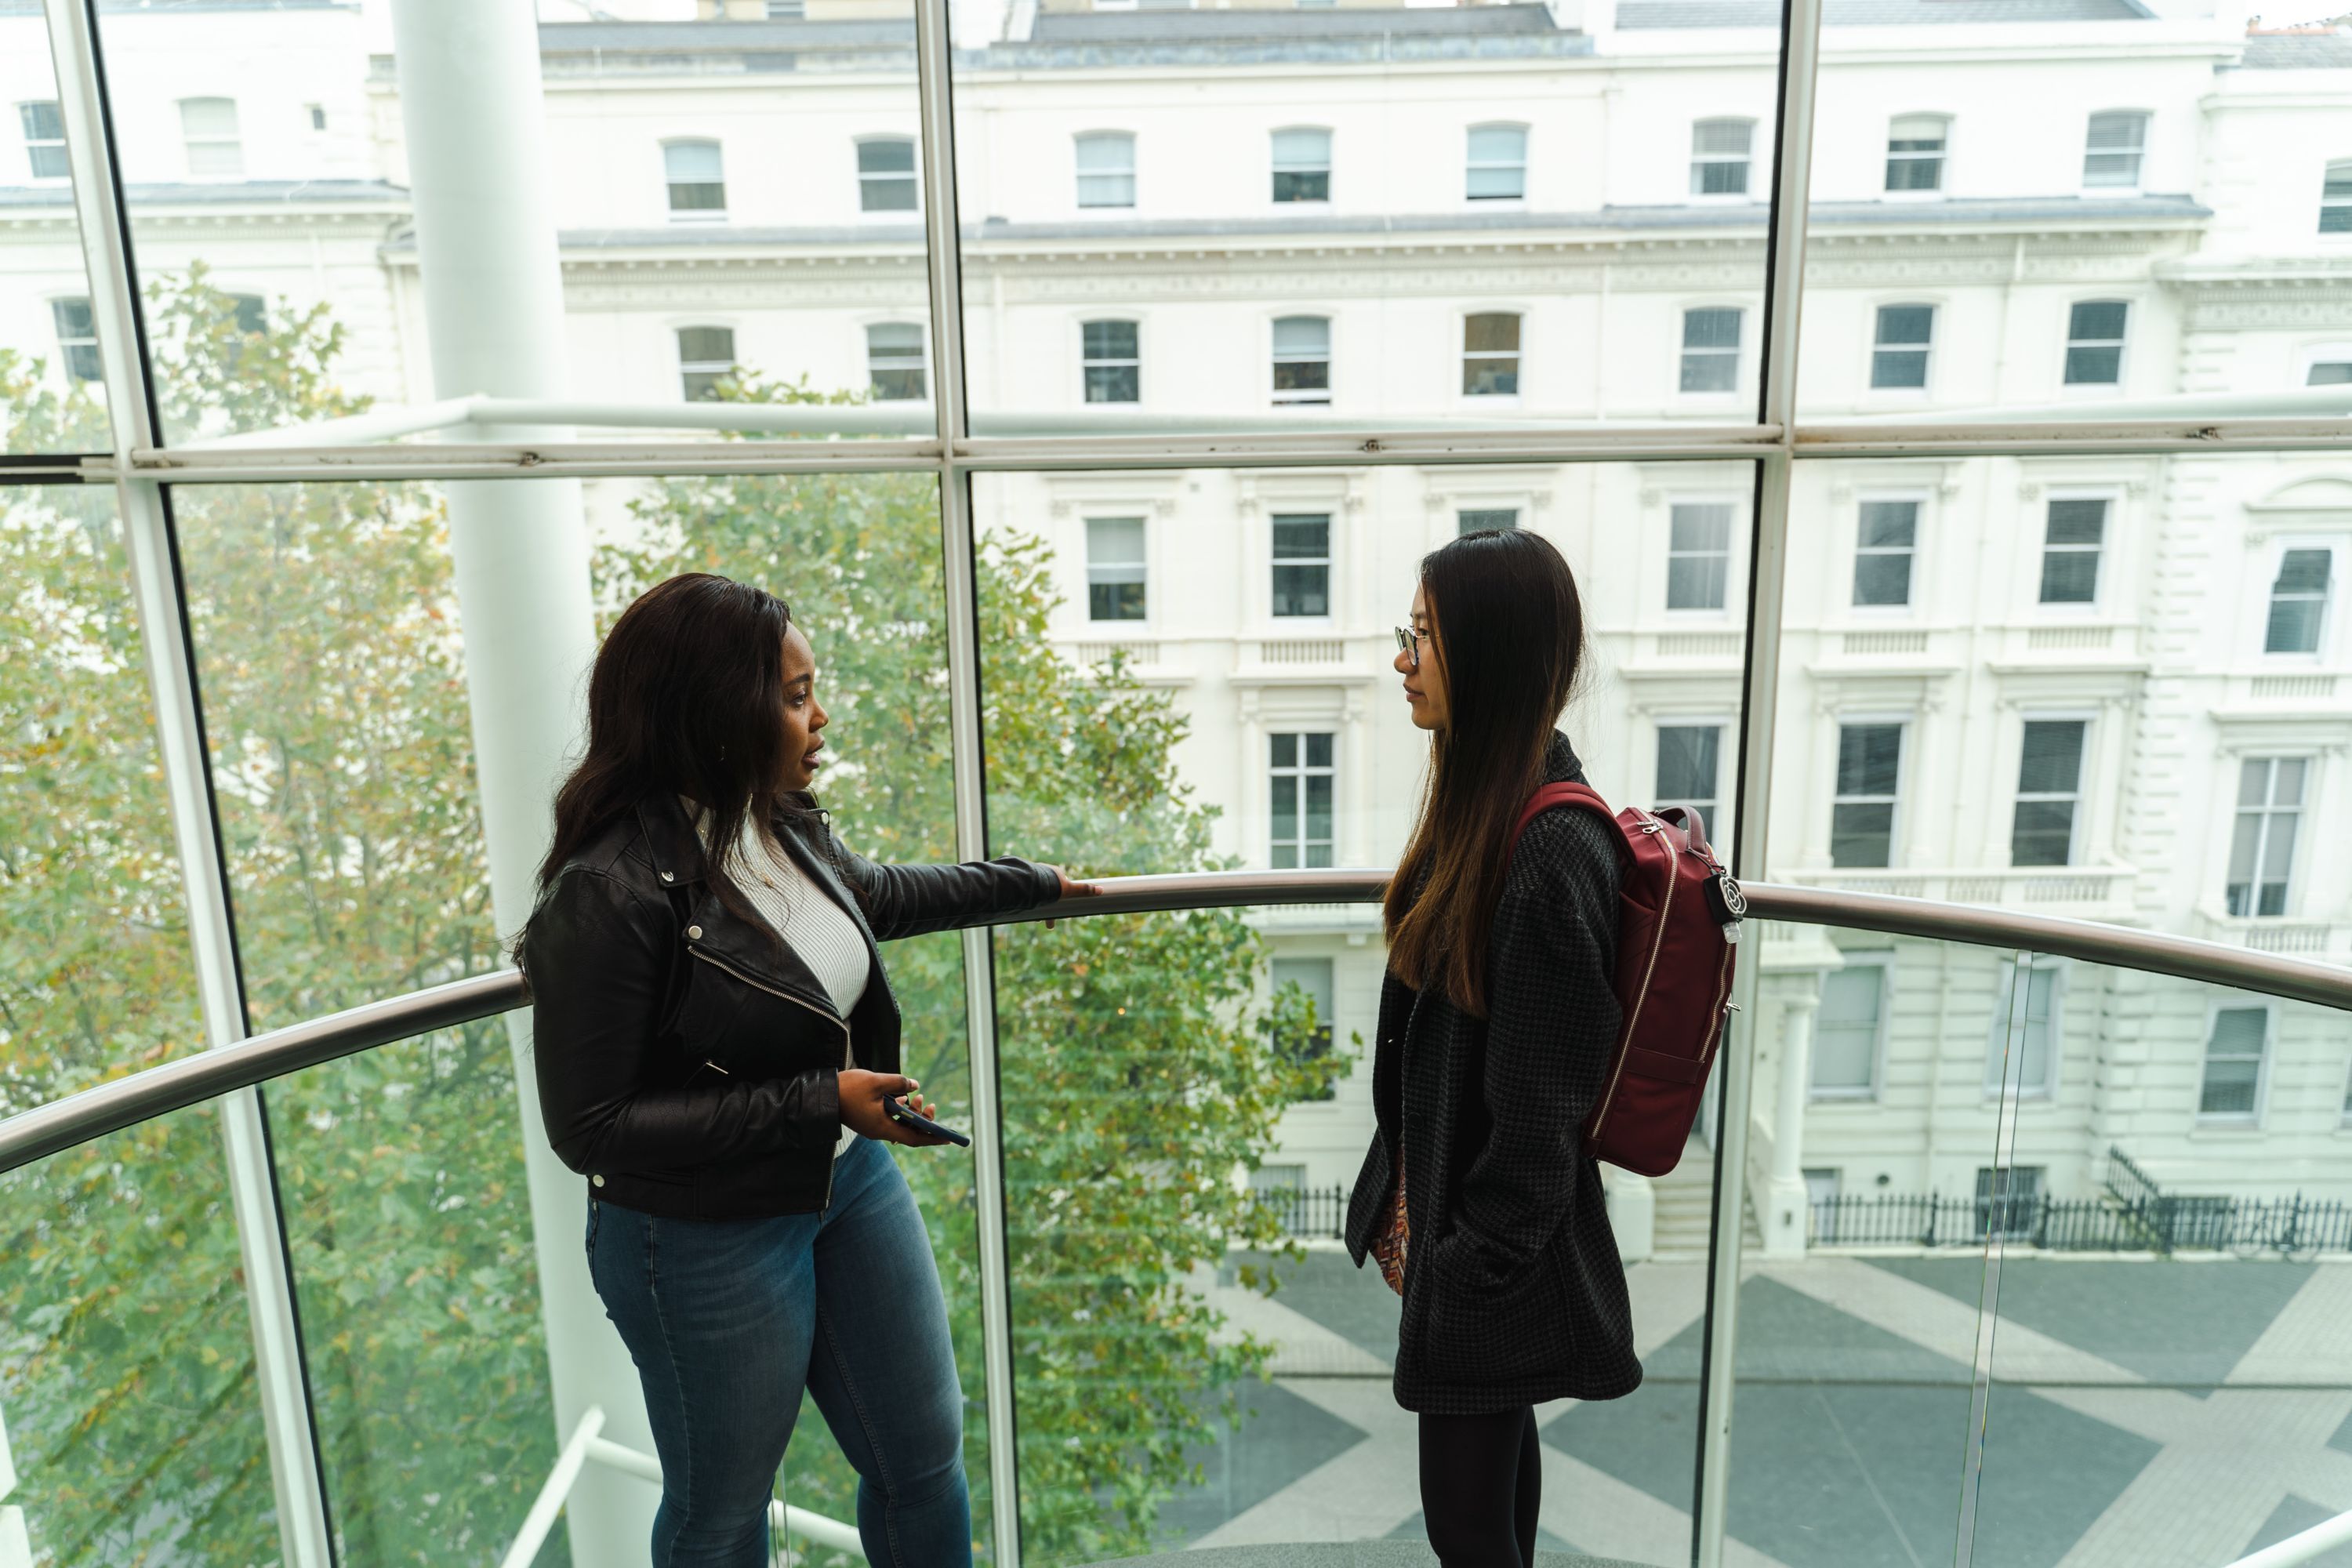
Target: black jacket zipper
x=832 y=1017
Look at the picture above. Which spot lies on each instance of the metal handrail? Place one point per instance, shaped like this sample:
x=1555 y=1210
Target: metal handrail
x=189 y=1080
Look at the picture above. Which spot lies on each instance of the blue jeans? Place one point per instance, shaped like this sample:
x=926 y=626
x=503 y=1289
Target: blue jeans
x=730 y=1320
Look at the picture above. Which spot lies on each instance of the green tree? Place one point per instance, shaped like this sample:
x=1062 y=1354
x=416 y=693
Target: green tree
x=126 y=1375
x=1141 y=1068
x=335 y=705
x=1138 y=1065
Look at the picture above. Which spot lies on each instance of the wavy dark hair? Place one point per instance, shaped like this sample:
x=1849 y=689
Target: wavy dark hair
x=688 y=697
x=1510 y=642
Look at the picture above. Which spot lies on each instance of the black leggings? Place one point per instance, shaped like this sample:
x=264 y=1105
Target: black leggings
x=1481 y=1480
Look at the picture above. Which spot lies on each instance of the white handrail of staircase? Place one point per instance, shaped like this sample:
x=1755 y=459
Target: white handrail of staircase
x=587 y=1442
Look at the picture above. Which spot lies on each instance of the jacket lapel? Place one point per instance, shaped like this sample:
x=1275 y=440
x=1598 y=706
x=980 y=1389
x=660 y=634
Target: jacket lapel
x=680 y=861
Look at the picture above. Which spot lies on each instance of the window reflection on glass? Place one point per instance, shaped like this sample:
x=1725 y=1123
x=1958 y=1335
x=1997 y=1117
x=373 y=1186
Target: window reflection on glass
x=2095 y=342
x=44 y=139
x=894 y=358
x=1690 y=769
x=2008 y=1200
x=1887 y=536
x=1490 y=355
x=2074 y=533
x=1110 y=362
x=2234 y=1051
x=886 y=175
x=1719 y=157
x=1302 y=565
x=2049 y=788
x=1105 y=169
x=1497 y=167
x=1312 y=977
x=1476 y=519
x=2299 y=601
x=2111 y=153
x=76 y=338
x=1302 y=165
x=1915 y=153
x=1710 y=361
x=1698 y=554
x=696 y=178
x=1302 y=360
x=1117 y=576
x=2262 y=842
x=1862 y=815
x=208 y=131
x=1899 y=357
x=1302 y=777
x=2328 y=372
x=1848 y=1029
x=2336 y=199
x=706 y=356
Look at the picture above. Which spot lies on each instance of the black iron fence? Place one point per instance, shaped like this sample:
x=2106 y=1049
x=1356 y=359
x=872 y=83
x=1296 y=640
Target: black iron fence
x=2131 y=1186
x=2158 y=1223
x=1309 y=1214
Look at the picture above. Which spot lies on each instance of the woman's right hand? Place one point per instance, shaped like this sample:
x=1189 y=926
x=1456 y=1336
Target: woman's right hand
x=861 y=1095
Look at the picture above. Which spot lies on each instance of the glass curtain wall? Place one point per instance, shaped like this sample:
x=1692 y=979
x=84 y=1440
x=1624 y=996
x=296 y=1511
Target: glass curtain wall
x=1197 y=1089
x=1245 y=311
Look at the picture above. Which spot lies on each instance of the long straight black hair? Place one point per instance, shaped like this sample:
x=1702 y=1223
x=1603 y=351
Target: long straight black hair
x=687 y=697
x=1509 y=641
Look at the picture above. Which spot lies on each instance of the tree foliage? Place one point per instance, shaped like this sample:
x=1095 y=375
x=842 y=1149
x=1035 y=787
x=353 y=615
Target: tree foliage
x=1139 y=1070
x=335 y=708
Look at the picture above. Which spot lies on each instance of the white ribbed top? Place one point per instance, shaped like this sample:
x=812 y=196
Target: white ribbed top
x=818 y=931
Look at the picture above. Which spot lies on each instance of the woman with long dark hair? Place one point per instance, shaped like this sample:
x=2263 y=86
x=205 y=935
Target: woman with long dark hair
x=1497 y=1028
x=717 y=1054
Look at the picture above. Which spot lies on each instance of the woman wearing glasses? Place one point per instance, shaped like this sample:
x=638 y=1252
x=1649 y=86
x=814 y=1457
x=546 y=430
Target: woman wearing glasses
x=1496 y=1028
x=717 y=1054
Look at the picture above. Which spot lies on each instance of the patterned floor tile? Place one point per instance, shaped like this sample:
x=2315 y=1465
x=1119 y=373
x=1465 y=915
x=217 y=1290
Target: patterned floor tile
x=2160 y=1416
x=2293 y=1518
x=2193 y=1331
x=1280 y=1438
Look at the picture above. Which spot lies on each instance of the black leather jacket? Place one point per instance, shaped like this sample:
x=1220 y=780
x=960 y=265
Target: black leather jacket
x=685 y=1059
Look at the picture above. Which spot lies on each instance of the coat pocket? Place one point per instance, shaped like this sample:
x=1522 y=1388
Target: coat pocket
x=1476 y=1333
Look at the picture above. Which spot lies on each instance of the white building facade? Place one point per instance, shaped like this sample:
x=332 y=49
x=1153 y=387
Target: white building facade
x=2117 y=686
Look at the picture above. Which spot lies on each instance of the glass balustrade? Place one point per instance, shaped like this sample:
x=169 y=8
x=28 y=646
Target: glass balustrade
x=2170 y=1379
x=129 y=1397
x=2037 y=1260
x=1970 y=1315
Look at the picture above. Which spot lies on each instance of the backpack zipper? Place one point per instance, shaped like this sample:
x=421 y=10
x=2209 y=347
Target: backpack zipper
x=1656 y=829
x=833 y=1018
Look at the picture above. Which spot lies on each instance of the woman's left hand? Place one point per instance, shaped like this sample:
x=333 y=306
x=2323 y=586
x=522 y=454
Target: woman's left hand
x=1072 y=890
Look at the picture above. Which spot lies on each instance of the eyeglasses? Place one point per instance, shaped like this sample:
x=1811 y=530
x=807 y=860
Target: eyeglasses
x=1408 y=643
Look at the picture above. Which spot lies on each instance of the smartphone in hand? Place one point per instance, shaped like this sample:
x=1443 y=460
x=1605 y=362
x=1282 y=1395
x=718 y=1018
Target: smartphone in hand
x=906 y=1116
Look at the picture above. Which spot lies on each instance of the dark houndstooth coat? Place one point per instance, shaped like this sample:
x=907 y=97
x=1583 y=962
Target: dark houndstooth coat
x=1513 y=1290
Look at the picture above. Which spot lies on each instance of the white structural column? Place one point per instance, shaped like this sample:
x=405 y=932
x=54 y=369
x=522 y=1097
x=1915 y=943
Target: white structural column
x=470 y=103
x=294 y=1470
x=1787 y=1202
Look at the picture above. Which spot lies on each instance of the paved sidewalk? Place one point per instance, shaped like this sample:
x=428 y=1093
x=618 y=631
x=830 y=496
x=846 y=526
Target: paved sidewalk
x=2145 y=1414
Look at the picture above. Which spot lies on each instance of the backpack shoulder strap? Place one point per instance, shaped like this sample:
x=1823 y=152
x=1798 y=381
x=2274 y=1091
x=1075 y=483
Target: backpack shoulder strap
x=1559 y=794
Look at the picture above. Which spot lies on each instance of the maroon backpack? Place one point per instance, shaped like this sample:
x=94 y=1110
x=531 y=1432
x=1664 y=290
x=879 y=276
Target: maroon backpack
x=1678 y=924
